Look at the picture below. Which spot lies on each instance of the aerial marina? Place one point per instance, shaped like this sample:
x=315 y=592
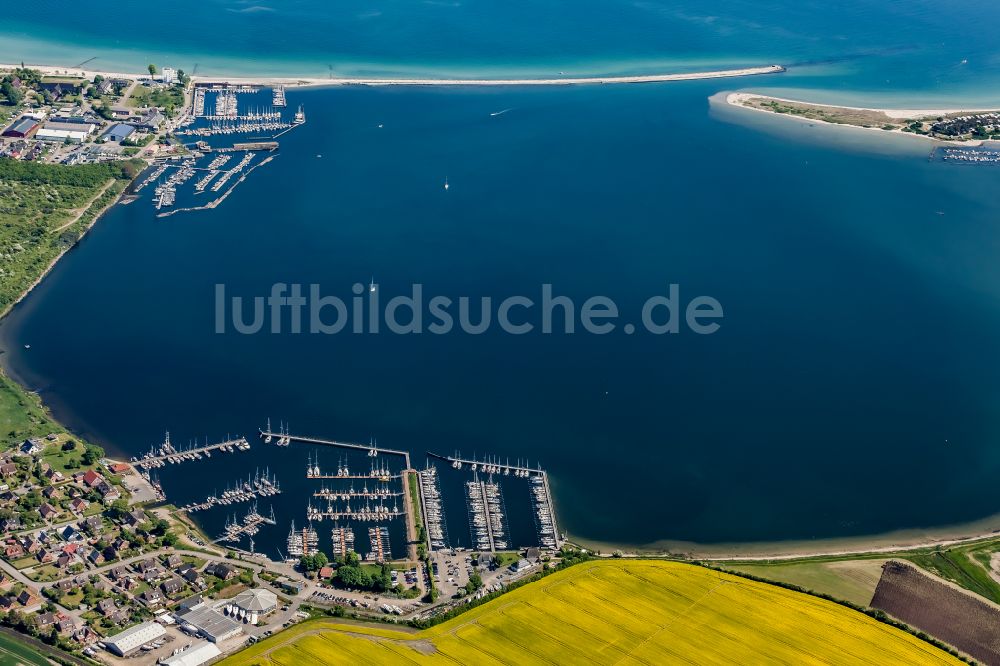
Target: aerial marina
x=430 y=490
x=152 y=177
x=367 y=513
x=252 y=121
x=544 y=519
x=198 y=103
x=168 y=453
x=343 y=540
x=225 y=106
x=248 y=526
x=301 y=542
x=260 y=485
x=377 y=473
x=380 y=551
x=364 y=493
x=278 y=96
x=973 y=155
x=218 y=110
x=380 y=493
x=494 y=484
x=479 y=521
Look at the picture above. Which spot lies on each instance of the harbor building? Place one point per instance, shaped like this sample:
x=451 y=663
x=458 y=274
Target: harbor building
x=134 y=638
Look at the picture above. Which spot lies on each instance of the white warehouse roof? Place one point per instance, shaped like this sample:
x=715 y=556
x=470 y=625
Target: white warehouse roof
x=133 y=638
x=195 y=655
x=60 y=135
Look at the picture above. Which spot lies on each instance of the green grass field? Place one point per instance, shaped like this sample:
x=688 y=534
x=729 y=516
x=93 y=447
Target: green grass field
x=852 y=580
x=21 y=414
x=614 y=611
x=45 y=208
x=13 y=653
x=965 y=565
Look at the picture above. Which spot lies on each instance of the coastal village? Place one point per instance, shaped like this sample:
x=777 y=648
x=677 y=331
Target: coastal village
x=98 y=563
x=71 y=120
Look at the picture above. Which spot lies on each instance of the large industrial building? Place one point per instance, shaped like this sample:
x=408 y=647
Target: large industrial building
x=57 y=131
x=133 y=638
x=208 y=623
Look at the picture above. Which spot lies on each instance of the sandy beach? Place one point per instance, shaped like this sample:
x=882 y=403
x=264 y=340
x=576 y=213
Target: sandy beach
x=900 y=117
x=338 y=81
x=738 y=99
x=890 y=542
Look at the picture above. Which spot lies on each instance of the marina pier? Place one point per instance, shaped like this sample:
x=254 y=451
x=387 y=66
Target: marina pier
x=488 y=466
x=167 y=453
x=432 y=508
x=379 y=493
x=487 y=519
x=373 y=450
x=249 y=526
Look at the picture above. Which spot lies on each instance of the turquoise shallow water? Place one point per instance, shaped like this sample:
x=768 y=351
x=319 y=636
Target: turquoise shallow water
x=851 y=390
x=874 y=46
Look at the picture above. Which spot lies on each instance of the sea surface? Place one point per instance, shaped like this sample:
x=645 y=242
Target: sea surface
x=852 y=388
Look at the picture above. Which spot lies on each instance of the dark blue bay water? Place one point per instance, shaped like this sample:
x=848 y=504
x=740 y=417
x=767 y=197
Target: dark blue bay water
x=852 y=388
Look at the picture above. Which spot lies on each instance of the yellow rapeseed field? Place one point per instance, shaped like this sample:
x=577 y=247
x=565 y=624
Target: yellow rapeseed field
x=617 y=612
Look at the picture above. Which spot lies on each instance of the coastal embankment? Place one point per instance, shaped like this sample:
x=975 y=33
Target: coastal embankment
x=340 y=81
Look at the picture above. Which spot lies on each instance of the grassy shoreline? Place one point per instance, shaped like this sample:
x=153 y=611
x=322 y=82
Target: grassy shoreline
x=42 y=223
